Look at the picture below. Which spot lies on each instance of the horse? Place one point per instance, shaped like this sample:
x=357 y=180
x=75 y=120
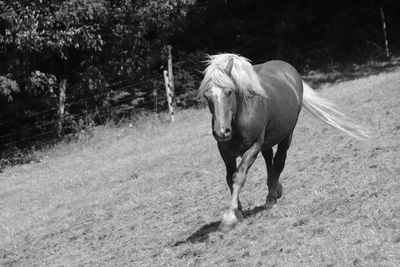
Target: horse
x=254 y=108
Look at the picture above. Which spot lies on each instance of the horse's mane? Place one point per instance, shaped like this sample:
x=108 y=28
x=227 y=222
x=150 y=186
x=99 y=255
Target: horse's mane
x=242 y=78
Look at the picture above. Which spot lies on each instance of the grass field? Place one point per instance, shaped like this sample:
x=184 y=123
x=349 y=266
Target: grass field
x=153 y=195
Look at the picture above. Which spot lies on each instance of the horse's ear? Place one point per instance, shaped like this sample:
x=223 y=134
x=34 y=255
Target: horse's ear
x=229 y=66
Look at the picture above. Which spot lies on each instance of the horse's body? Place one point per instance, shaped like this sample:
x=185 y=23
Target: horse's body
x=255 y=108
x=278 y=112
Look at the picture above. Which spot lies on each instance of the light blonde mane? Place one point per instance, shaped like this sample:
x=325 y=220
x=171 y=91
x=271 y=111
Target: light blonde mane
x=243 y=78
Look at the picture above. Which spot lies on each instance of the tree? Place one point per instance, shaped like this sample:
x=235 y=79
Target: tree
x=92 y=43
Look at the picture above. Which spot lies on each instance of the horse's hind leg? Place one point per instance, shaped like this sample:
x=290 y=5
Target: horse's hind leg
x=275 y=166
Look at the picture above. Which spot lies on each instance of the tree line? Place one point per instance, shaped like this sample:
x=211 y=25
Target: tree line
x=110 y=53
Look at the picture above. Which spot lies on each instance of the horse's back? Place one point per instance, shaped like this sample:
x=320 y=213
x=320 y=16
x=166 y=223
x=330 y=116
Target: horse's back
x=280 y=74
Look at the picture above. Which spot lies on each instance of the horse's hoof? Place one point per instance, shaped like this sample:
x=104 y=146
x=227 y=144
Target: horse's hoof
x=271 y=201
x=230 y=220
x=226 y=227
x=279 y=190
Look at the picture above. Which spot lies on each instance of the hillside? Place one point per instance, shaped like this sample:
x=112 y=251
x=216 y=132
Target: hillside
x=153 y=195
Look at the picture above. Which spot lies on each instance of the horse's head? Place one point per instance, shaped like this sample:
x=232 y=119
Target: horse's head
x=222 y=104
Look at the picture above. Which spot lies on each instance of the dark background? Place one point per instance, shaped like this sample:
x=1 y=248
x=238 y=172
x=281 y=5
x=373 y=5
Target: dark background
x=305 y=33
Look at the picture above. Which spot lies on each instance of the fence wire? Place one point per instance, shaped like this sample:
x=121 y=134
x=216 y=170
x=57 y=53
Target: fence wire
x=72 y=116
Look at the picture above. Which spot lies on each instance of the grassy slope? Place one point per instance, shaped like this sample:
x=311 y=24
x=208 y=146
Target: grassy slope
x=153 y=195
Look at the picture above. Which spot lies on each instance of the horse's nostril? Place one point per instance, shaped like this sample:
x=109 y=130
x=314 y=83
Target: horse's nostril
x=222 y=133
x=226 y=131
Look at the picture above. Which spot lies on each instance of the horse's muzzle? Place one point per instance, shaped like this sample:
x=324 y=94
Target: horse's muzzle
x=223 y=135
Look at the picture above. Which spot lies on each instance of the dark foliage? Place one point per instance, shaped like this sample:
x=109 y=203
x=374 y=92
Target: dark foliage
x=306 y=33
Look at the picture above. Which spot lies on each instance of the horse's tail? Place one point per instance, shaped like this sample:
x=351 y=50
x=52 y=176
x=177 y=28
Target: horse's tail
x=326 y=111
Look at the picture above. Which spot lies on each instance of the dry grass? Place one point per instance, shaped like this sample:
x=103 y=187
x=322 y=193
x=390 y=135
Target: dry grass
x=153 y=195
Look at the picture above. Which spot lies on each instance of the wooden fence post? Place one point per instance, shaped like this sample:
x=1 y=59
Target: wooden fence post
x=61 y=107
x=155 y=96
x=169 y=96
x=384 y=31
x=170 y=75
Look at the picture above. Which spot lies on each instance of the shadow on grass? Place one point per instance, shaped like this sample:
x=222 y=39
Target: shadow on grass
x=204 y=232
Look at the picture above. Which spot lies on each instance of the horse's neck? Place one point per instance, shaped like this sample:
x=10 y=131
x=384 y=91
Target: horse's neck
x=247 y=105
x=250 y=113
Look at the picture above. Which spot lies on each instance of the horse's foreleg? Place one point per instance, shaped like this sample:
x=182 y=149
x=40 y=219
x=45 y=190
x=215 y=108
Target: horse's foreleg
x=230 y=164
x=239 y=177
x=274 y=169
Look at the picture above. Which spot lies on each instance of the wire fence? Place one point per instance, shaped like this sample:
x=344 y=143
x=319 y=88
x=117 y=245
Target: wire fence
x=119 y=99
x=83 y=109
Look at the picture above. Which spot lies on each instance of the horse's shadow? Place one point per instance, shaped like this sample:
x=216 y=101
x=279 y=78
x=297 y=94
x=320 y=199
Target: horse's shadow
x=204 y=232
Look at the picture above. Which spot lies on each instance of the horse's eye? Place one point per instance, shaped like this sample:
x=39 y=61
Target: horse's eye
x=229 y=93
